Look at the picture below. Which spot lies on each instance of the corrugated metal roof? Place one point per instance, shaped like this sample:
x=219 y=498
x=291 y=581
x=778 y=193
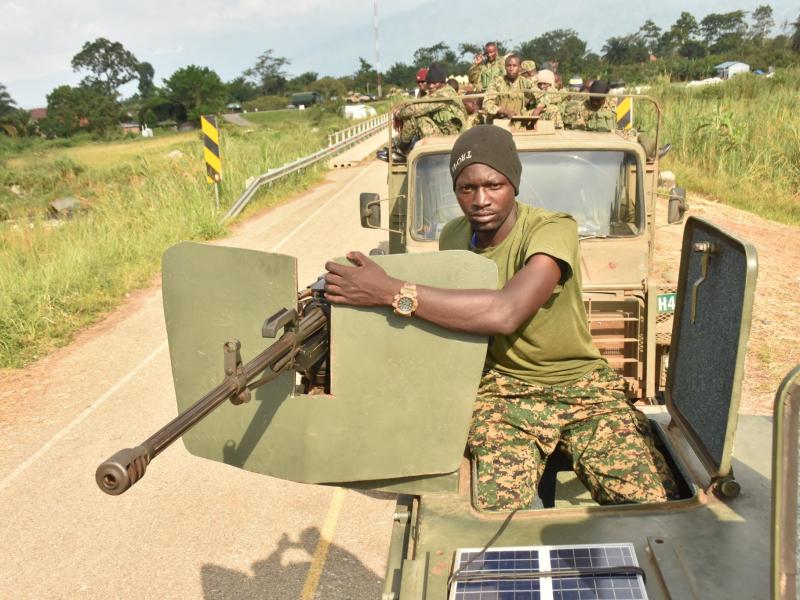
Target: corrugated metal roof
x=730 y=63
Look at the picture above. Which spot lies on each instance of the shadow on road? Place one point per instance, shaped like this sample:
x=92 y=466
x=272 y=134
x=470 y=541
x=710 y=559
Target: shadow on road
x=283 y=574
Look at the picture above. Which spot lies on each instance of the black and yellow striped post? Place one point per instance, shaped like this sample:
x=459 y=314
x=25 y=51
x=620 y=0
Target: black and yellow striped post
x=211 y=152
x=624 y=113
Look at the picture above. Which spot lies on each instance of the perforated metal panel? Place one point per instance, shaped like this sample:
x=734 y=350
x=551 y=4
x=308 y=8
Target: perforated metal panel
x=709 y=339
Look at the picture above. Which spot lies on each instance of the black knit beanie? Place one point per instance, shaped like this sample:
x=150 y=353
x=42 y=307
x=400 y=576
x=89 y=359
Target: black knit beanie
x=489 y=145
x=435 y=74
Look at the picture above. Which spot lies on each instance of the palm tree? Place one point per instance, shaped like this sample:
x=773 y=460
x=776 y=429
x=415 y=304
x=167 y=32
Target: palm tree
x=8 y=112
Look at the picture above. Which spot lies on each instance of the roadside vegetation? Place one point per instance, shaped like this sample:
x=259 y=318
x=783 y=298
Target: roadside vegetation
x=57 y=276
x=738 y=141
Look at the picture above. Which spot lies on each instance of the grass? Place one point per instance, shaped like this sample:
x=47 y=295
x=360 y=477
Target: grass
x=738 y=141
x=58 y=276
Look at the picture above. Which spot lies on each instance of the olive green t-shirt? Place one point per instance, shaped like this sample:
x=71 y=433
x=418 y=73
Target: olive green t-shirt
x=554 y=346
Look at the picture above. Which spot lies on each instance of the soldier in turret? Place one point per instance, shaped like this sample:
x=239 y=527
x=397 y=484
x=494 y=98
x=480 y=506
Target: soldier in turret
x=544 y=385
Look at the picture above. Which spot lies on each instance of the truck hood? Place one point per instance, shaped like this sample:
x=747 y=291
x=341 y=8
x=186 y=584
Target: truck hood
x=614 y=263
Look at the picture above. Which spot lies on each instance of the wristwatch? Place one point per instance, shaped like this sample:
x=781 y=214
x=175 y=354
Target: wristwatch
x=405 y=301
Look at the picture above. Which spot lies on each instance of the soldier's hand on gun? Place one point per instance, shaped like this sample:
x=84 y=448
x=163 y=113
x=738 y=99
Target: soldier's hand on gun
x=363 y=284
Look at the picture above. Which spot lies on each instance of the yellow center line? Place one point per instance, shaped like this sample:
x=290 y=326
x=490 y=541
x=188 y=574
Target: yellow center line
x=325 y=538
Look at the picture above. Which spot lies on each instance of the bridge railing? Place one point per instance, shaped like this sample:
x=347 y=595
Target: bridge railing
x=337 y=142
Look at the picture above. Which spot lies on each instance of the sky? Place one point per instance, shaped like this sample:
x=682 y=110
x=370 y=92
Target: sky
x=38 y=38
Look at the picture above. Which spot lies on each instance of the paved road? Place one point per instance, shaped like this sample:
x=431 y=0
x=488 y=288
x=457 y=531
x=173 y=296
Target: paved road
x=237 y=119
x=191 y=528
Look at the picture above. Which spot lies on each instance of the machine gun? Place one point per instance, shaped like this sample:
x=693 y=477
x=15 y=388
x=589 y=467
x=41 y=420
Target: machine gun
x=303 y=347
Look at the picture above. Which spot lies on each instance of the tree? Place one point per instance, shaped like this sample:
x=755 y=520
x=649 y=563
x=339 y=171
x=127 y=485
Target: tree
x=693 y=49
x=268 y=73
x=241 y=90
x=562 y=45
x=724 y=32
x=145 y=73
x=303 y=81
x=762 y=22
x=330 y=88
x=625 y=50
x=683 y=31
x=795 y=41
x=83 y=107
x=401 y=75
x=438 y=53
x=364 y=76
x=8 y=111
x=469 y=49
x=198 y=89
x=109 y=64
x=650 y=34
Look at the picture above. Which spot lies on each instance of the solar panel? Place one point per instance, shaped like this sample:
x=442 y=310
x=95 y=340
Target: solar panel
x=579 y=572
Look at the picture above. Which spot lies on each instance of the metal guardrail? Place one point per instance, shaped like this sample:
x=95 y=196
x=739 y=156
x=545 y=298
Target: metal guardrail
x=336 y=143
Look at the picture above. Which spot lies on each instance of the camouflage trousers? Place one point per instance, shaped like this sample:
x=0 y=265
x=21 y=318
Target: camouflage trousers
x=419 y=127
x=517 y=425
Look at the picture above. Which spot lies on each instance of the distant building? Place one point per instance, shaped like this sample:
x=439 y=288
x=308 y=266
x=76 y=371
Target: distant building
x=38 y=113
x=730 y=68
x=130 y=128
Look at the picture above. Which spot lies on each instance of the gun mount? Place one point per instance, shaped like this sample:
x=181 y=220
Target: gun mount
x=302 y=347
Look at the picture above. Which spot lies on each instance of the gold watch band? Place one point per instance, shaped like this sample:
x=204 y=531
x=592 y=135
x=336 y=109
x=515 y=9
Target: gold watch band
x=405 y=302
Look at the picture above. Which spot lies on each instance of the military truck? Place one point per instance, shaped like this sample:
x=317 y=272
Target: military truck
x=385 y=403
x=607 y=182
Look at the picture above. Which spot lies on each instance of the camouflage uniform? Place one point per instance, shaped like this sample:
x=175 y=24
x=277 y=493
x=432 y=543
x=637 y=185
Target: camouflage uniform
x=508 y=95
x=579 y=115
x=517 y=425
x=424 y=119
x=480 y=76
x=474 y=119
x=552 y=102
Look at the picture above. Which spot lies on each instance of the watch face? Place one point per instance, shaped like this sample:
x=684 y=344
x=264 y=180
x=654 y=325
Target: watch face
x=405 y=304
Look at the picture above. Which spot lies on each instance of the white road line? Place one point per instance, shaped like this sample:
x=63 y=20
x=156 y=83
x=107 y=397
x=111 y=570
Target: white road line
x=21 y=468
x=77 y=420
x=321 y=208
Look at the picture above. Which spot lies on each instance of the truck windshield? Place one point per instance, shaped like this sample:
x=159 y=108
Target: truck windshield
x=598 y=188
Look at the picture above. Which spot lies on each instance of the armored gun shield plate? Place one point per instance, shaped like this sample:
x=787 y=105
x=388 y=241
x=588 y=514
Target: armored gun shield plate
x=213 y=294
x=714 y=306
x=401 y=389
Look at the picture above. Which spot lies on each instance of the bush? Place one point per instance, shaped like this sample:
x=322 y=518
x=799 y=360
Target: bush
x=266 y=103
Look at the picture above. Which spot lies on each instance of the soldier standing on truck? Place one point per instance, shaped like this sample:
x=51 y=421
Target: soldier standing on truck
x=422 y=86
x=545 y=385
x=508 y=95
x=485 y=67
x=592 y=113
x=548 y=100
x=441 y=114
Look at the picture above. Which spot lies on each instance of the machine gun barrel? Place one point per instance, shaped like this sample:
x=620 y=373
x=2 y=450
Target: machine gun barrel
x=117 y=474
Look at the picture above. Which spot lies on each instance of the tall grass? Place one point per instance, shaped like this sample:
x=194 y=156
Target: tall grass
x=738 y=141
x=58 y=276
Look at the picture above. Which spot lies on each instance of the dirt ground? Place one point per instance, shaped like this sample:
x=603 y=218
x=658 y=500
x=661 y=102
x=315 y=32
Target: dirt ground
x=774 y=345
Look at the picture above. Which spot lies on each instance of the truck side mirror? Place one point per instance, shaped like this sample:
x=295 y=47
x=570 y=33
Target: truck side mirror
x=677 y=205
x=370 y=210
